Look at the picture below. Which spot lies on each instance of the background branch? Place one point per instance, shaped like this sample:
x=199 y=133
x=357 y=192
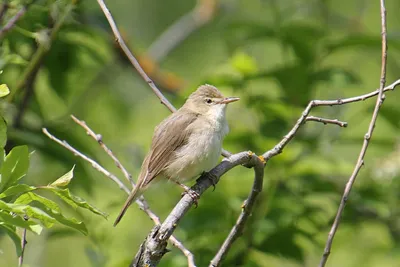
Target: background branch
x=367 y=138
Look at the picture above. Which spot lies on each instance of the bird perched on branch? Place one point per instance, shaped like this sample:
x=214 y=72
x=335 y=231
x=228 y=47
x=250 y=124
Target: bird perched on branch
x=187 y=143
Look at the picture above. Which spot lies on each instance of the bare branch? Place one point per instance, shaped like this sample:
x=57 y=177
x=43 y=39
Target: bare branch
x=314 y=103
x=131 y=57
x=154 y=246
x=247 y=209
x=99 y=140
x=23 y=244
x=94 y=164
x=367 y=138
x=143 y=205
x=327 y=121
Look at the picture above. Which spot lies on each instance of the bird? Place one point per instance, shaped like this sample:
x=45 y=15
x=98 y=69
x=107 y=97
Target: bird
x=185 y=144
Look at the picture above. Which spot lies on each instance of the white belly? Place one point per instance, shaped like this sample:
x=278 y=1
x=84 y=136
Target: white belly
x=201 y=156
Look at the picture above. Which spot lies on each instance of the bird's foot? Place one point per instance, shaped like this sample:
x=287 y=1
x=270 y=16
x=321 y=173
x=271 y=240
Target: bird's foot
x=193 y=194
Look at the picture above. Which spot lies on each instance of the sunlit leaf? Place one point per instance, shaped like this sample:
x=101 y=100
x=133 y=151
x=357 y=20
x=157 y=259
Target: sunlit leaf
x=31 y=212
x=7 y=218
x=74 y=201
x=65 y=179
x=14 y=167
x=4 y=90
x=16 y=189
x=52 y=209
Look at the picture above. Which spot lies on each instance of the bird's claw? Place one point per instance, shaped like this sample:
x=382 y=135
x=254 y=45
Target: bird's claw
x=213 y=178
x=193 y=194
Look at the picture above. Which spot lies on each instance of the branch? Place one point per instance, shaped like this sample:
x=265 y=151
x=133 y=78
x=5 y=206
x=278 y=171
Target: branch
x=154 y=246
x=136 y=64
x=247 y=209
x=367 y=138
x=23 y=244
x=315 y=103
x=327 y=121
x=143 y=205
x=11 y=23
x=99 y=140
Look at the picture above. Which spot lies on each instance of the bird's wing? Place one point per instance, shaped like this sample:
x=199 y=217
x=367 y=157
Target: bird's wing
x=171 y=134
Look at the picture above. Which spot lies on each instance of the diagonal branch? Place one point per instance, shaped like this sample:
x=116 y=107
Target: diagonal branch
x=367 y=138
x=99 y=140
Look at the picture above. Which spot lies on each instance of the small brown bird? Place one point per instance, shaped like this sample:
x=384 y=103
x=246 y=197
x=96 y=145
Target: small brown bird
x=187 y=143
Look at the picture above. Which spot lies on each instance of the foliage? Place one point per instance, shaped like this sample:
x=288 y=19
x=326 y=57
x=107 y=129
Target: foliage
x=275 y=55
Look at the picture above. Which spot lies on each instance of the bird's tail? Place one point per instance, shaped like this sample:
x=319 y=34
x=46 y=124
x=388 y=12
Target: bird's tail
x=135 y=194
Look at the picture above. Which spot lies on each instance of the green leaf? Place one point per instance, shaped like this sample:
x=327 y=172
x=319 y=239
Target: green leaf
x=6 y=218
x=74 y=201
x=11 y=231
x=4 y=90
x=31 y=212
x=14 y=167
x=3 y=132
x=52 y=209
x=65 y=179
x=17 y=189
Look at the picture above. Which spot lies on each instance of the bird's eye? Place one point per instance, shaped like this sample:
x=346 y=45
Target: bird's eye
x=208 y=101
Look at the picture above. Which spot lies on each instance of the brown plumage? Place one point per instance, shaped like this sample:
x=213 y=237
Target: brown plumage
x=186 y=143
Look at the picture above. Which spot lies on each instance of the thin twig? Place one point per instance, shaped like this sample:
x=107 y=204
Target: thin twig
x=314 y=103
x=327 y=121
x=143 y=205
x=247 y=209
x=99 y=140
x=11 y=23
x=367 y=138
x=131 y=57
x=23 y=244
x=94 y=164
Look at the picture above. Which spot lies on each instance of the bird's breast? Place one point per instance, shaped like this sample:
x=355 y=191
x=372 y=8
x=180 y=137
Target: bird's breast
x=200 y=154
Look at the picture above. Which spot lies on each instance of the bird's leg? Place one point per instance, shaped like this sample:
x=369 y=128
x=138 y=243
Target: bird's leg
x=193 y=194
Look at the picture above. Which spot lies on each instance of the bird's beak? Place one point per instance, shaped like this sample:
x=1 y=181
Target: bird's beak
x=227 y=100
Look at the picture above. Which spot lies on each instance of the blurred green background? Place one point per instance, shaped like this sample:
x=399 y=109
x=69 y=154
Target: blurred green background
x=276 y=56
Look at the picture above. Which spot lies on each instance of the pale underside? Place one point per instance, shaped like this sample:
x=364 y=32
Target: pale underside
x=180 y=156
